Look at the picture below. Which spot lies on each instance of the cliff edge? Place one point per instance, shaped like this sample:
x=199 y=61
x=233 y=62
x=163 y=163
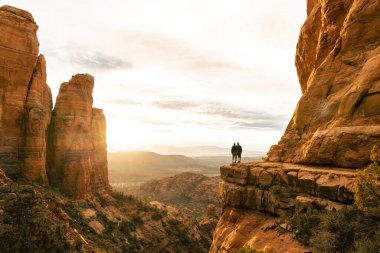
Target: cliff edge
x=333 y=129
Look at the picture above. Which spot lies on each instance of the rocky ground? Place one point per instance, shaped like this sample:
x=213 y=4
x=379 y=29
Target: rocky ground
x=36 y=218
x=191 y=193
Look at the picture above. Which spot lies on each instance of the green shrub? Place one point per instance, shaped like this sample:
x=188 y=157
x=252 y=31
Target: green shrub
x=127 y=227
x=368 y=244
x=367 y=184
x=121 y=197
x=136 y=219
x=337 y=231
x=156 y=216
x=303 y=226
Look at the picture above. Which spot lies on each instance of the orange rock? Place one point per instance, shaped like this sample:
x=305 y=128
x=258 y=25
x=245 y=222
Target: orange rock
x=77 y=161
x=18 y=57
x=337 y=119
x=36 y=121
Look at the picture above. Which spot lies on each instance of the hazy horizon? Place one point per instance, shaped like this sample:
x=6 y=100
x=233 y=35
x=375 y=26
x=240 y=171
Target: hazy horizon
x=181 y=73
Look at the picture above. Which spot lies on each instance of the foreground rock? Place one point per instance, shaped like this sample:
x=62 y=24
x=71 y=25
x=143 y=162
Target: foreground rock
x=36 y=219
x=254 y=194
x=240 y=228
x=337 y=120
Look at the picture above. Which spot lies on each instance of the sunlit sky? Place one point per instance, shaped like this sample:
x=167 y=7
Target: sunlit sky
x=178 y=72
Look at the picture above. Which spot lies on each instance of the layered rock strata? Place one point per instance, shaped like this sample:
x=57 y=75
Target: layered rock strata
x=19 y=54
x=37 y=115
x=77 y=159
x=257 y=196
x=337 y=119
x=283 y=189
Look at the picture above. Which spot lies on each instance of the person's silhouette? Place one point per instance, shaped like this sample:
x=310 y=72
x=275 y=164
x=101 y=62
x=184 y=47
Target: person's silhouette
x=239 y=150
x=234 y=153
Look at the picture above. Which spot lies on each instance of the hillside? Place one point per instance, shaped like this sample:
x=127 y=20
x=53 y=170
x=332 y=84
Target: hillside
x=35 y=218
x=141 y=166
x=191 y=193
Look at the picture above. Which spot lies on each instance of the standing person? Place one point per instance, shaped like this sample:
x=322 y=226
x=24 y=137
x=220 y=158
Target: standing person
x=239 y=150
x=234 y=153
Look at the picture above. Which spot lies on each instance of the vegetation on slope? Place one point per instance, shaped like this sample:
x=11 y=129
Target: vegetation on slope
x=352 y=229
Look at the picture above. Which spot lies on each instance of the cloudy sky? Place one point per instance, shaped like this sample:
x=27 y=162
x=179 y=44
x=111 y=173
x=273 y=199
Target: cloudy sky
x=178 y=72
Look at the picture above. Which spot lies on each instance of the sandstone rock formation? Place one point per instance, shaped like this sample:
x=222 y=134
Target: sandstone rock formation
x=282 y=189
x=337 y=120
x=335 y=125
x=77 y=144
x=77 y=160
x=241 y=228
x=36 y=118
x=25 y=98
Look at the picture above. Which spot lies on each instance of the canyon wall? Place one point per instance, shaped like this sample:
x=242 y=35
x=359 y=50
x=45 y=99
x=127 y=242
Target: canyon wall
x=337 y=120
x=66 y=146
x=25 y=98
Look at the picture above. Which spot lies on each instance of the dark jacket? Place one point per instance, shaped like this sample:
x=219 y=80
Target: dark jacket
x=234 y=150
x=239 y=149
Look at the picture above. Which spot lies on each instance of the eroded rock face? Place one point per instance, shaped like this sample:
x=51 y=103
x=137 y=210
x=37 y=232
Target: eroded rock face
x=337 y=120
x=77 y=162
x=36 y=121
x=25 y=98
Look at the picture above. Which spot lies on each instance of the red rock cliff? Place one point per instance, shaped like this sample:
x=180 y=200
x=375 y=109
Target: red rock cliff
x=337 y=120
x=77 y=161
x=25 y=98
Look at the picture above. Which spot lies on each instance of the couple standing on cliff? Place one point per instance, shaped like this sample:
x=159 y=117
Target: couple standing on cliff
x=236 y=151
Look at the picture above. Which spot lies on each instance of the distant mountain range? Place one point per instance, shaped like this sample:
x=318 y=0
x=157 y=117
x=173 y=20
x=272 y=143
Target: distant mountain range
x=135 y=167
x=195 y=151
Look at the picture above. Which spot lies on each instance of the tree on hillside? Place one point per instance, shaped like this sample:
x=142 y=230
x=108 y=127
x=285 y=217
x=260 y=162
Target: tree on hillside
x=367 y=185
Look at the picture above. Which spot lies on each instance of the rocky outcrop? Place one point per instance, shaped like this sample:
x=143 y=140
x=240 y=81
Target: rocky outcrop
x=254 y=194
x=337 y=120
x=240 y=228
x=282 y=189
x=77 y=161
